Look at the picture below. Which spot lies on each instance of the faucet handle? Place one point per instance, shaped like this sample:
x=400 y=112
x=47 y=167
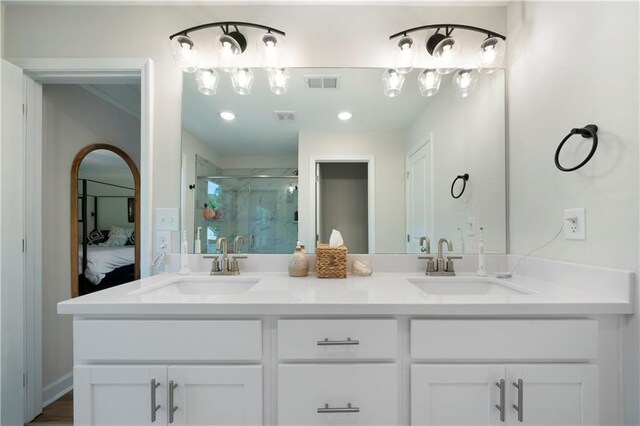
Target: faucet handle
x=215 y=265
x=431 y=266
x=449 y=267
x=425 y=257
x=235 y=267
x=454 y=257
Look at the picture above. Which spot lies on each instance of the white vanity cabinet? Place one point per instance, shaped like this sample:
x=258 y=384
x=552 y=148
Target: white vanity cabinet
x=180 y=395
x=486 y=394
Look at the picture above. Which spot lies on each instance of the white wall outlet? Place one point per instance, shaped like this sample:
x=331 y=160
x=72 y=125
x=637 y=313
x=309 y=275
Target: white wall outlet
x=575 y=227
x=471 y=223
x=167 y=219
x=163 y=242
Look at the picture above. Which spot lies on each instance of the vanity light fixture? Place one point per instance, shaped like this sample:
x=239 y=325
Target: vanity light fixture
x=228 y=48
x=406 y=55
x=445 y=49
x=344 y=115
x=227 y=115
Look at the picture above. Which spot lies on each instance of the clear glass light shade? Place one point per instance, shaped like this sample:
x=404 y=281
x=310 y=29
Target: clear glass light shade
x=208 y=80
x=270 y=48
x=393 y=81
x=429 y=82
x=406 y=54
x=227 y=52
x=447 y=53
x=184 y=53
x=242 y=80
x=279 y=80
x=465 y=81
x=491 y=54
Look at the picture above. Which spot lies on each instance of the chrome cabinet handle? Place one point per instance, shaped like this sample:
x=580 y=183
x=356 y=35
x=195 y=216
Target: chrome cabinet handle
x=327 y=342
x=500 y=406
x=172 y=409
x=154 y=407
x=347 y=409
x=520 y=407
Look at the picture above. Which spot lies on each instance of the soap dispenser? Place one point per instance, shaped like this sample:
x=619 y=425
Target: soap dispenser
x=298 y=265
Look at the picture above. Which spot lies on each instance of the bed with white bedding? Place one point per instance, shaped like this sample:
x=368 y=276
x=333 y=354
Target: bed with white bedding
x=102 y=260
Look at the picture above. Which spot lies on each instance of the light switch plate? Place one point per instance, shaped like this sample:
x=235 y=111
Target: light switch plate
x=576 y=228
x=167 y=219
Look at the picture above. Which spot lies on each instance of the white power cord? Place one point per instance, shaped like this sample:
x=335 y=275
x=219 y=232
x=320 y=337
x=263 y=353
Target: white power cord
x=571 y=220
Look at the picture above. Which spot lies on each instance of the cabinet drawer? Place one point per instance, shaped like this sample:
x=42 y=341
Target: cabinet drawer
x=480 y=339
x=114 y=340
x=337 y=339
x=321 y=394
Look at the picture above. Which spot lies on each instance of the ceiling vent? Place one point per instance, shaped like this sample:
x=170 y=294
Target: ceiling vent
x=322 y=81
x=285 y=116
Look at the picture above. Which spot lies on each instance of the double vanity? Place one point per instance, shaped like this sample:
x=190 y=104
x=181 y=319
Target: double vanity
x=393 y=348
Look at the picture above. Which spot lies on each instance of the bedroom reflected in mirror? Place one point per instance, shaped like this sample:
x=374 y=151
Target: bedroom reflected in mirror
x=105 y=207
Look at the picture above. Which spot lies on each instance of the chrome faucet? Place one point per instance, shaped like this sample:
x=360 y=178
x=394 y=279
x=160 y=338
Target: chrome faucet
x=427 y=248
x=440 y=267
x=226 y=268
x=236 y=240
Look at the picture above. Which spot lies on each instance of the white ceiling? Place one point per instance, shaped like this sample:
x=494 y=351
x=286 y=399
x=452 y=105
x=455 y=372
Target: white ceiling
x=256 y=131
x=103 y=162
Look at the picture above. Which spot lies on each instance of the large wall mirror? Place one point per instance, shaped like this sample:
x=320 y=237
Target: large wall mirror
x=105 y=219
x=281 y=168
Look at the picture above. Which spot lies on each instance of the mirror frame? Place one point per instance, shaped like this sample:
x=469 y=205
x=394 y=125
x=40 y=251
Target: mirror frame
x=75 y=168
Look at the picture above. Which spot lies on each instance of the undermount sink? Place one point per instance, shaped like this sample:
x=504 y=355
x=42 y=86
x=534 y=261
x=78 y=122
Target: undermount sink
x=464 y=286
x=210 y=286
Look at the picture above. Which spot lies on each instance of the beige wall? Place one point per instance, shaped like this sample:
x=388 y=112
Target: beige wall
x=388 y=150
x=571 y=64
x=72 y=119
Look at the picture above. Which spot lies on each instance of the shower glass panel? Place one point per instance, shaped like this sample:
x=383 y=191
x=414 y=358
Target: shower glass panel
x=262 y=208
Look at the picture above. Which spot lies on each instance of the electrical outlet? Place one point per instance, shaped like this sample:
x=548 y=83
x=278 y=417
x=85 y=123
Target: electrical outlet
x=575 y=227
x=163 y=242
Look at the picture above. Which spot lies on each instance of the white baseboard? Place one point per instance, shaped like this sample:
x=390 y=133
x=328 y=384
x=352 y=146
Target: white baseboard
x=56 y=389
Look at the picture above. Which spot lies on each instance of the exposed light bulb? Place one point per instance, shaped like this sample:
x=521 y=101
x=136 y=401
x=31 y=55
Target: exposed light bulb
x=405 y=55
x=393 y=82
x=184 y=53
x=429 y=82
x=228 y=51
x=465 y=81
x=446 y=53
x=491 y=54
x=207 y=79
x=242 y=80
x=270 y=51
x=279 y=80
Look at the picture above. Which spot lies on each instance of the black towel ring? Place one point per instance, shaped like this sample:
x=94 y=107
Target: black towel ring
x=465 y=178
x=590 y=131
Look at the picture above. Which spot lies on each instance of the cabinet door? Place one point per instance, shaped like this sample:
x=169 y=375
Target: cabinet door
x=338 y=394
x=216 y=395
x=553 y=394
x=456 y=394
x=120 y=395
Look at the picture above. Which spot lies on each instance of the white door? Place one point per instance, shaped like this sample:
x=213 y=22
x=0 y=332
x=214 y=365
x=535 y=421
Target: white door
x=12 y=174
x=564 y=395
x=216 y=395
x=456 y=394
x=419 y=197
x=338 y=394
x=120 y=395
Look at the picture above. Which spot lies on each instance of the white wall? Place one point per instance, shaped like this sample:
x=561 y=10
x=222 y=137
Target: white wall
x=388 y=150
x=72 y=119
x=571 y=64
x=468 y=137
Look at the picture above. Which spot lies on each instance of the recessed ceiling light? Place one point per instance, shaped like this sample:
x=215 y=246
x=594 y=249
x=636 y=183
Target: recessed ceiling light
x=344 y=115
x=227 y=115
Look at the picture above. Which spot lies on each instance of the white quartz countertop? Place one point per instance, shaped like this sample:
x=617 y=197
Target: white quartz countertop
x=380 y=294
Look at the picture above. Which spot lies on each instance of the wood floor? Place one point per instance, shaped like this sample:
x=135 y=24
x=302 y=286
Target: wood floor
x=58 y=413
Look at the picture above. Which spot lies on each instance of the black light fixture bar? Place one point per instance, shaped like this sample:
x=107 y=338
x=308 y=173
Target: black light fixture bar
x=225 y=28
x=448 y=29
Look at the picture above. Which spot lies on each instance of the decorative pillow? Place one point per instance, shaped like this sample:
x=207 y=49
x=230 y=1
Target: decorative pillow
x=132 y=239
x=95 y=237
x=117 y=230
x=115 y=241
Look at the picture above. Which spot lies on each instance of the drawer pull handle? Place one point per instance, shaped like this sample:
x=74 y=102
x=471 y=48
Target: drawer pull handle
x=327 y=342
x=347 y=409
x=520 y=407
x=172 y=408
x=500 y=406
x=154 y=406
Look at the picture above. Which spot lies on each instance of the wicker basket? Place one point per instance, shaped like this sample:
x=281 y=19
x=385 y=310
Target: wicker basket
x=331 y=262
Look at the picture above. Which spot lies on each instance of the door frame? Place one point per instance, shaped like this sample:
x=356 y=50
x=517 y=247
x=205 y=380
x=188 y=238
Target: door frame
x=80 y=71
x=410 y=152
x=371 y=193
